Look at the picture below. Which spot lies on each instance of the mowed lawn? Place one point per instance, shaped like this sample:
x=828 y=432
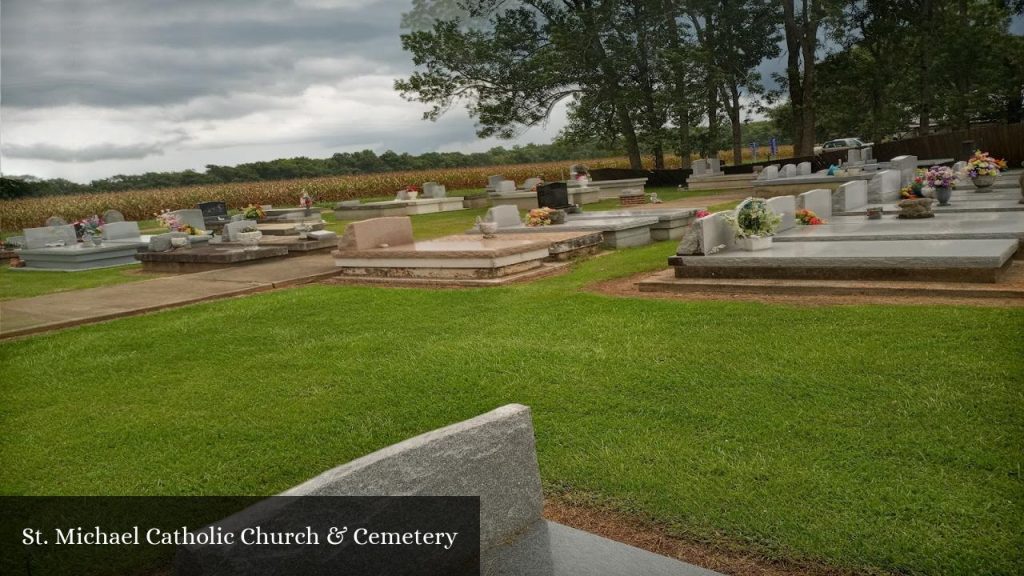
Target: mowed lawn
x=869 y=437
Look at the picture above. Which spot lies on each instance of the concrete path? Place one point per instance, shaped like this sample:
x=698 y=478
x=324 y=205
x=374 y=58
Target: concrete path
x=64 y=309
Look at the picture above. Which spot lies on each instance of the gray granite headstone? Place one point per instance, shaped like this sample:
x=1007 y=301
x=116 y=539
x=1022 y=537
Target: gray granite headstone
x=192 y=217
x=494 y=180
x=959 y=166
x=433 y=190
x=769 y=172
x=530 y=183
x=112 y=216
x=714 y=167
x=714 y=233
x=700 y=167
x=850 y=196
x=491 y=456
x=818 y=201
x=853 y=156
x=506 y=216
x=375 y=232
x=787 y=171
x=867 y=154
x=906 y=165
x=884 y=187
x=784 y=206
x=160 y=242
x=506 y=187
x=803 y=169
x=231 y=229
x=56 y=221
x=40 y=237
x=121 y=231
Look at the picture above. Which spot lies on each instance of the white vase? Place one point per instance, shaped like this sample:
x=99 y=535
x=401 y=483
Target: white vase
x=752 y=243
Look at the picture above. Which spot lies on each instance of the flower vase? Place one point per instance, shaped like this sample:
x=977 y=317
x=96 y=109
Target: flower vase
x=752 y=243
x=943 y=194
x=983 y=183
x=97 y=240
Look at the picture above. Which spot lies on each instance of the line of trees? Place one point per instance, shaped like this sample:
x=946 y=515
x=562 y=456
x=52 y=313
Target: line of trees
x=659 y=76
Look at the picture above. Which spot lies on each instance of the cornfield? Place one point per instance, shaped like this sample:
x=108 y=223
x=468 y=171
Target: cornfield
x=144 y=204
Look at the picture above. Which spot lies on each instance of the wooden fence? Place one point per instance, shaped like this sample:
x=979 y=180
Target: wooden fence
x=1004 y=141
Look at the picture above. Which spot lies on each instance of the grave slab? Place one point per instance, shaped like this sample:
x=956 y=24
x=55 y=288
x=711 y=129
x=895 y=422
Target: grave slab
x=78 y=256
x=944 y=260
x=344 y=211
x=671 y=225
x=611 y=189
x=189 y=260
x=992 y=225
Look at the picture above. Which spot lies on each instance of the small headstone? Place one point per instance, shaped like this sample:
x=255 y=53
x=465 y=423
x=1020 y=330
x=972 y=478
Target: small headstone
x=867 y=154
x=213 y=209
x=884 y=187
x=504 y=215
x=56 y=221
x=906 y=165
x=699 y=167
x=553 y=195
x=714 y=233
x=803 y=169
x=121 y=231
x=231 y=229
x=160 y=242
x=433 y=190
x=507 y=187
x=818 y=201
x=784 y=206
x=40 y=237
x=850 y=196
x=787 y=171
x=112 y=216
x=531 y=183
x=714 y=167
x=959 y=166
x=494 y=181
x=853 y=156
x=347 y=203
x=769 y=172
x=375 y=232
x=192 y=217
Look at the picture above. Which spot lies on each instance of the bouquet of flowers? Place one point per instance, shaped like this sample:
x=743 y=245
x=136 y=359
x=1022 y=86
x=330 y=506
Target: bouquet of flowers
x=253 y=212
x=306 y=201
x=915 y=188
x=93 y=225
x=940 y=177
x=539 y=217
x=700 y=214
x=981 y=164
x=168 y=219
x=808 y=218
x=754 y=218
x=190 y=230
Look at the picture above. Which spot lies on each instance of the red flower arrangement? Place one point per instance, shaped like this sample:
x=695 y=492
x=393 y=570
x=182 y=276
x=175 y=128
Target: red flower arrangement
x=808 y=218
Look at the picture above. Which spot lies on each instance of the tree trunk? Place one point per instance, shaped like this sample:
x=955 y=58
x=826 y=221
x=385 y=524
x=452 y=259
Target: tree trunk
x=794 y=36
x=808 y=136
x=629 y=135
x=711 y=149
x=737 y=128
x=925 y=89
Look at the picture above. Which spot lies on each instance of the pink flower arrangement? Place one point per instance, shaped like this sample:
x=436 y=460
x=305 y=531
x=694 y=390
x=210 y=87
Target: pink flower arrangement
x=168 y=219
x=808 y=218
x=701 y=213
x=93 y=225
x=940 y=177
x=306 y=201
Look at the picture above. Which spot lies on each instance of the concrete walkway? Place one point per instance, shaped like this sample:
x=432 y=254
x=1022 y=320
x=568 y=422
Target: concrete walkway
x=64 y=309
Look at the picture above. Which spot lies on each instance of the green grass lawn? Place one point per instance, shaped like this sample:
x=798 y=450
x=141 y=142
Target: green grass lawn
x=868 y=437
x=26 y=283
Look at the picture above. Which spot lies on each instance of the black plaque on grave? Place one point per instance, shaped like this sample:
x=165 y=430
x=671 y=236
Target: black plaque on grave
x=553 y=195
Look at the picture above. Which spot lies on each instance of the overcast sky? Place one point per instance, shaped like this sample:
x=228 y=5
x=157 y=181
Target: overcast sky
x=93 y=88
